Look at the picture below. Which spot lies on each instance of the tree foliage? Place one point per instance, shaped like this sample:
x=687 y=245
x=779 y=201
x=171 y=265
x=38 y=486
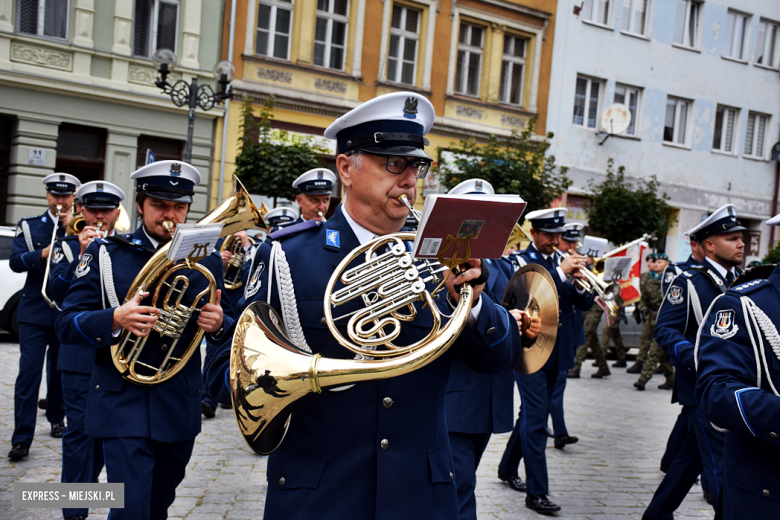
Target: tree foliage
x=773 y=256
x=621 y=211
x=517 y=164
x=267 y=167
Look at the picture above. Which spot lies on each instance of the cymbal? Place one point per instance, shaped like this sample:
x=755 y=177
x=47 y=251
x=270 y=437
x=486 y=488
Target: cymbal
x=532 y=289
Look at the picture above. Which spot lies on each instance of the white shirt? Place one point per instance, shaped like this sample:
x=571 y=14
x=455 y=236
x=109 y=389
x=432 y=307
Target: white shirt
x=154 y=242
x=363 y=235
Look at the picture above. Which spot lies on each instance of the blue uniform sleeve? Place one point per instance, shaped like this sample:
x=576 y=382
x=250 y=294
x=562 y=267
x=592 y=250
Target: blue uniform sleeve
x=22 y=259
x=83 y=319
x=671 y=324
x=727 y=384
x=61 y=275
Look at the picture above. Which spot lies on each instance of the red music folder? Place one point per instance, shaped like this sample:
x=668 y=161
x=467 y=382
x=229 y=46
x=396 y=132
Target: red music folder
x=488 y=219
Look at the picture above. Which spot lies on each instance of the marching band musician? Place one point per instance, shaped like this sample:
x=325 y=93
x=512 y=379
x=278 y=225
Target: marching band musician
x=314 y=191
x=478 y=405
x=738 y=367
x=279 y=217
x=529 y=438
x=679 y=318
x=82 y=454
x=148 y=432
x=30 y=253
x=379 y=449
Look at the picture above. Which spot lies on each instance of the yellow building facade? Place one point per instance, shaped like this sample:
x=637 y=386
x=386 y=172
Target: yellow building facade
x=484 y=64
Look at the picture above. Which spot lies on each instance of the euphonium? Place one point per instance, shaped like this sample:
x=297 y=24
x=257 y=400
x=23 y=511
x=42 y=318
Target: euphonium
x=231 y=271
x=268 y=373
x=237 y=212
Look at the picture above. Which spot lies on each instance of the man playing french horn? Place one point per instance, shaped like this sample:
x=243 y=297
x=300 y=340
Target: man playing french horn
x=378 y=448
x=148 y=431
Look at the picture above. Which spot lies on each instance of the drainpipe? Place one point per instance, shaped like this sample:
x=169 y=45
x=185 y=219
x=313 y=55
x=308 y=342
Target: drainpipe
x=774 y=203
x=227 y=103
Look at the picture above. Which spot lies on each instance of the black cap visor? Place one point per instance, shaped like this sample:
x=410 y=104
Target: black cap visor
x=402 y=150
x=169 y=196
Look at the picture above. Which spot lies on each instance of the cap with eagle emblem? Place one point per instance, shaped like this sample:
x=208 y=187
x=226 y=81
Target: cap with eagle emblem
x=100 y=194
x=61 y=183
x=318 y=181
x=167 y=180
x=473 y=187
x=550 y=220
x=573 y=232
x=281 y=215
x=391 y=124
x=722 y=220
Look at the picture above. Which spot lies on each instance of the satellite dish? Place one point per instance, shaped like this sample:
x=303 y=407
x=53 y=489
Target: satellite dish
x=616 y=119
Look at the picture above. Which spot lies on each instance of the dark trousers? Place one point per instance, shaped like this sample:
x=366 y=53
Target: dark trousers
x=82 y=454
x=528 y=439
x=33 y=340
x=150 y=471
x=467 y=450
x=556 y=405
x=701 y=452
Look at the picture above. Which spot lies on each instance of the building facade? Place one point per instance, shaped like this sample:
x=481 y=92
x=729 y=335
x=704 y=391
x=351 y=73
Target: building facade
x=484 y=64
x=700 y=79
x=77 y=92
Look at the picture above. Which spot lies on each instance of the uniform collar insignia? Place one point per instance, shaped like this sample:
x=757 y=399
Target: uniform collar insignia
x=332 y=240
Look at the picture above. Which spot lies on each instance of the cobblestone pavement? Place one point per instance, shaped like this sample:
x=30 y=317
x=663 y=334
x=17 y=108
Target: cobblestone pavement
x=611 y=473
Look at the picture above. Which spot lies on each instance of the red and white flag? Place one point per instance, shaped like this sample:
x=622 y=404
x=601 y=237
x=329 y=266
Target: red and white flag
x=629 y=282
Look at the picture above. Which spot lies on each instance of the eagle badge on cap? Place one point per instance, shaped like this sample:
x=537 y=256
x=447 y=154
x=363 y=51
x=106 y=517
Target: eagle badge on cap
x=410 y=108
x=99 y=186
x=176 y=169
x=62 y=177
x=478 y=185
x=319 y=175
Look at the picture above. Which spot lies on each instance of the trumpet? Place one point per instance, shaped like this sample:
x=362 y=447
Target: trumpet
x=593 y=282
x=51 y=302
x=600 y=263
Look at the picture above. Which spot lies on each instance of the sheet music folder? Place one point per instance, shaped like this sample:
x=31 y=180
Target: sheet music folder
x=488 y=219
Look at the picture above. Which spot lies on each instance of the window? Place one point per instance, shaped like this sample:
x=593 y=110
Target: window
x=43 y=17
x=676 y=122
x=404 y=36
x=755 y=134
x=735 y=35
x=634 y=17
x=469 y=59
x=596 y=11
x=513 y=61
x=628 y=96
x=725 y=124
x=81 y=151
x=331 y=33
x=155 y=26
x=586 y=102
x=686 y=22
x=273 y=28
x=766 y=44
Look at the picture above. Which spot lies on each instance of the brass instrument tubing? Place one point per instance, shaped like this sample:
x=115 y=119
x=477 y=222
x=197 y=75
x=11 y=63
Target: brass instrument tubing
x=56 y=223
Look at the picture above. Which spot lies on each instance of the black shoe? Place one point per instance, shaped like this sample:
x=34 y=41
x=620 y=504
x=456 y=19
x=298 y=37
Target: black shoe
x=664 y=468
x=573 y=373
x=594 y=364
x=541 y=504
x=515 y=483
x=563 y=440
x=659 y=370
x=640 y=385
x=636 y=368
x=77 y=517
x=42 y=404
x=57 y=430
x=620 y=363
x=207 y=409
x=667 y=385
x=226 y=406
x=707 y=498
x=19 y=451
x=604 y=371
x=549 y=432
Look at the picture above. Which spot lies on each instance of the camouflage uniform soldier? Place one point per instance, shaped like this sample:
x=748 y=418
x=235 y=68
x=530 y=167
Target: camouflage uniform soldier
x=652 y=296
x=647 y=331
x=612 y=332
x=592 y=319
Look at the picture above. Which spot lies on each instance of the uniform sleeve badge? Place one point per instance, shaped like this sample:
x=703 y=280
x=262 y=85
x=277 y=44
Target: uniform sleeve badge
x=669 y=277
x=675 y=296
x=254 y=283
x=724 y=326
x=83 y=267
x=58 y=256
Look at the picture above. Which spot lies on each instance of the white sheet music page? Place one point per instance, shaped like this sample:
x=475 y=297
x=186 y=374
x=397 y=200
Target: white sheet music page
x=195 y=241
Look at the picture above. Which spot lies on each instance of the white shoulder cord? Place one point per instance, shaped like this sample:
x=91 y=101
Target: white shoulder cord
x=28 y=236
x=286 y=296
x=695 y=303
x=67 y=252
x=107 y=288
x=762 y=322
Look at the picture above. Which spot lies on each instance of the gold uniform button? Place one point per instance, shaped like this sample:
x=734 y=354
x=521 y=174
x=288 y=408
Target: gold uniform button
x=97 y=387
x=387 y=402
x=385 y=444
x=766 y=492
x=773 y=435
x=451 y=475
x=281 y=481
x=323 y=321
x=491 y=330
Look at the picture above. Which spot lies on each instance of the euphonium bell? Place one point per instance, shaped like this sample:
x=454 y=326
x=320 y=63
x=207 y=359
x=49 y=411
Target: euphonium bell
x=237 y=212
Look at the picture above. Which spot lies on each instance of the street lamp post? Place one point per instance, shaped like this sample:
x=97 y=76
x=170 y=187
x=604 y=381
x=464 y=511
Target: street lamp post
x=192 y=94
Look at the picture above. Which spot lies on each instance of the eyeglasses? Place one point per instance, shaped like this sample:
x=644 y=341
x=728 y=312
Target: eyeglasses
x=397 y=164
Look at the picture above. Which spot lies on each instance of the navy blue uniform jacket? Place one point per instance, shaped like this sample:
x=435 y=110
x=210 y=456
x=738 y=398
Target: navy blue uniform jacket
x=734 y=395
x=331 y=464
x=32 y=235
x=679 y=316
x=167 y=412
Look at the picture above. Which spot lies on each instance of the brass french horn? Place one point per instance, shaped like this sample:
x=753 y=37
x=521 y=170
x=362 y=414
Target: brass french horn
x=237 y=212
x=268 y=373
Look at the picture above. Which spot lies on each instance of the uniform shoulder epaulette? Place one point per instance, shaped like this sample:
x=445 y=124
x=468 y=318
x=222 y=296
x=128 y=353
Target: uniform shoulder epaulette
x=295 y=229
x=32 y=217
x=751 y=286
x=126 y=241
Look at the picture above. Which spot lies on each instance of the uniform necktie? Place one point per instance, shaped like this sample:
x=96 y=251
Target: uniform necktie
x=729 y=278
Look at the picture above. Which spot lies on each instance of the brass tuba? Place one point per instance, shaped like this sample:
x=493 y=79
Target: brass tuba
x=268 y=373
x=237 y=212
